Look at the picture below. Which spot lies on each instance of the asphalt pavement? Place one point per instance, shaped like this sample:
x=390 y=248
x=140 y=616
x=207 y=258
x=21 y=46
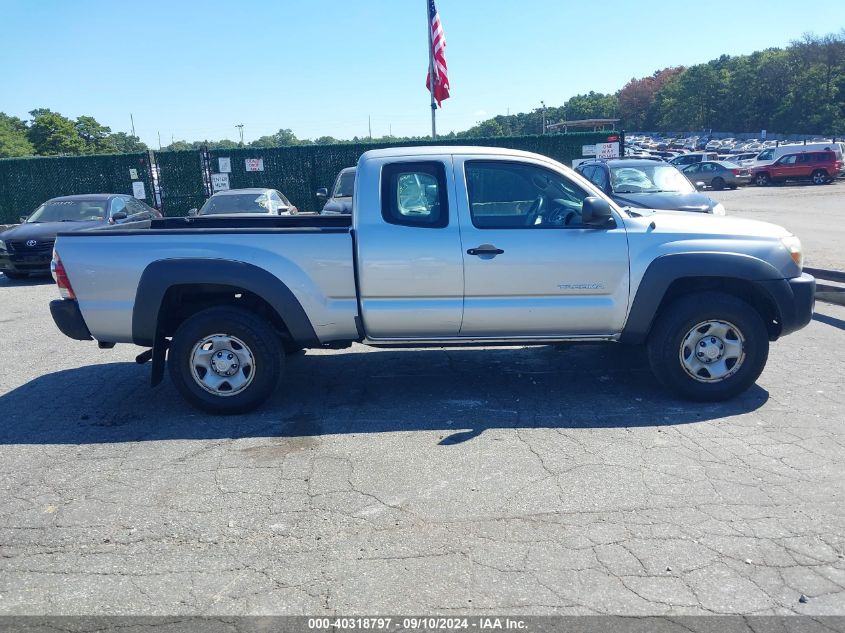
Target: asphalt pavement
x=553 y=479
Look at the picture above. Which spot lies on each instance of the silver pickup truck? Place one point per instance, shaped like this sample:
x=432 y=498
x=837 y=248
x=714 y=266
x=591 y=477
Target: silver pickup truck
x=445 y=246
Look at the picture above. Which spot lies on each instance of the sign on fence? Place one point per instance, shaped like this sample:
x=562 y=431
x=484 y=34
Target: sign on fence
x=588 y=150
x=138 y=189
x=133 y=174
x=255 y=164
x=225 y=165
x=219 y=182
x=607 y=150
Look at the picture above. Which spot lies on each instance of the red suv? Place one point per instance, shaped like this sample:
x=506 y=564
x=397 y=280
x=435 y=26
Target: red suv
x=819 y=167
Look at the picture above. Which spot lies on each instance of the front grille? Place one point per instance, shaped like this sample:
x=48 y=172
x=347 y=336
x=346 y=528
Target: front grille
x=20 y=246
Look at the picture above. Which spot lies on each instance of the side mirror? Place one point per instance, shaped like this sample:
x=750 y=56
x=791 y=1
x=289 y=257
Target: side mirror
x=120 y=215
x=595 y=211
x=193 y=212
x=700 y=185
x=322 y=193
x=23 y=218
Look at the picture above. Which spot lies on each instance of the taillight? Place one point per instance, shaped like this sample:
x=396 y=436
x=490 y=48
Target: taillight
x=60 y=275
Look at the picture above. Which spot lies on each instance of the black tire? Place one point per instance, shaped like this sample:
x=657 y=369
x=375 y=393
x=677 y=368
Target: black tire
x=762 y=179
x=261 y=341
x=16 y=276
x=820 y=177
x=718 y=183
x=666 y=345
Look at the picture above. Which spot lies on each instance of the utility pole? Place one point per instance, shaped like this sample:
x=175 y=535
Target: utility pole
x=159 y=141
x=131 y=118
x=543 y=103
x=240 y=127
x=370 y=126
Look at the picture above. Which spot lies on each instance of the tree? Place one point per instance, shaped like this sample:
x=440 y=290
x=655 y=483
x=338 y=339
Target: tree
x=93 y=135
x=279 y=139
x=13 y=139
x=123 y=143
x=52 y=134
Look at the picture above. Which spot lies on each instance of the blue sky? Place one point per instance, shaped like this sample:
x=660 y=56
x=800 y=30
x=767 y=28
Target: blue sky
x=193 y=70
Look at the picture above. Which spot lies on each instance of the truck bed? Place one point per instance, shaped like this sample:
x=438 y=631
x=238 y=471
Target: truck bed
x=310 y=254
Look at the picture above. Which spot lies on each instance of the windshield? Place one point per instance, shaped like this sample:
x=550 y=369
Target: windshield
x=235 y=203
x=654 y=178
x=345 y=185
x=70 y=211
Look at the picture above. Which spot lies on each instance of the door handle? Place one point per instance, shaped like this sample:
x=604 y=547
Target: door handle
x=485 y=249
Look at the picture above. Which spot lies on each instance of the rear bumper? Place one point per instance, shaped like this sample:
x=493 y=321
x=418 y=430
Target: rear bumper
x=69 y=319
x=795 y=299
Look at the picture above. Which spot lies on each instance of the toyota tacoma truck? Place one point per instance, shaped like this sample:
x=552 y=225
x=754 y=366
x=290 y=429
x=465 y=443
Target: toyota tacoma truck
x=444 y=246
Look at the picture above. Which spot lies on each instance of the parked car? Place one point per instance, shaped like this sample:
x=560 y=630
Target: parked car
x=256 y=202
x=819 y=167
x=648 y=185
x=695 y=157
x=770 y=155
x=340 y=202
x=28 y=247
x=449 y=245
x=718 y=174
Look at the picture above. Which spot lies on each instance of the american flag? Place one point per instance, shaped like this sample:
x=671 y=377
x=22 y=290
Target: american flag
x=438 y=55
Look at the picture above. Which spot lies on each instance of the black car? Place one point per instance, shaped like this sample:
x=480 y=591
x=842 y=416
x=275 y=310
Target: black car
x=340 y=202
x=28 y=248
x=648 y=185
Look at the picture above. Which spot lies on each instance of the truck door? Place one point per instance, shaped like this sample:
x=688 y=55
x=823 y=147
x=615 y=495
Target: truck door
x=530 y=267
x=410 y=270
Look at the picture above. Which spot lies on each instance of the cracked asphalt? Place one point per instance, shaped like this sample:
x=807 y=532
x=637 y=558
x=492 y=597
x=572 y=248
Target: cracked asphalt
x=522 y=480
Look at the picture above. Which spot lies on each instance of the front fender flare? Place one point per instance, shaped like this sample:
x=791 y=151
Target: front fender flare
x=667 y=269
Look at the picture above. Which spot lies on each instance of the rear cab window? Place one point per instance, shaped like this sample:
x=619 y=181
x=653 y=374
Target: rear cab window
x=414 y=194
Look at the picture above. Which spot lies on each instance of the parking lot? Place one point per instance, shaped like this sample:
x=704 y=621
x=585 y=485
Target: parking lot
x=552 y=479
x=814 y=213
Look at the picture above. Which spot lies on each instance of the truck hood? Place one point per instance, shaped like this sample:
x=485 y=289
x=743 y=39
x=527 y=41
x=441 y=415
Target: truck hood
x=47 y=230
x=666 y=200
x=706 y=225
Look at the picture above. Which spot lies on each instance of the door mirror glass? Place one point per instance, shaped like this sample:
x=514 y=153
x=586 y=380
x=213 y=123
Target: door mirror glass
x=120 y=215
x=322 y=193
x=595 y=211
x=193 y=212
x=23 y=218
x=699 y=185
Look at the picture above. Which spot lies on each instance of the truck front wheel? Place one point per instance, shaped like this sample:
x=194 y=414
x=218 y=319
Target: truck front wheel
x=708 y=346
x=225 y=360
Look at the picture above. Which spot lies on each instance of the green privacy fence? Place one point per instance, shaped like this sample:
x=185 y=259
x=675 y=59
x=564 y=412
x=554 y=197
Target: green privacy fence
x=179 y=181
x=27 y=182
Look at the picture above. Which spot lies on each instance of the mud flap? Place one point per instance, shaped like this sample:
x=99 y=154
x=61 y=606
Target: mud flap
x=159 y=358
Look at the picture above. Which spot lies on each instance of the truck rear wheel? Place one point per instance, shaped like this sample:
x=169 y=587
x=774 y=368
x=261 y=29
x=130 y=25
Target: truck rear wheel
x=708 y=346
x=225 y=360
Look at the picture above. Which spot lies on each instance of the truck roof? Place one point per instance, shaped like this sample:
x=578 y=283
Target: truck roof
x=428 y=150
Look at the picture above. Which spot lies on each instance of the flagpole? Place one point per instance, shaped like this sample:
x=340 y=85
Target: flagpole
x=431 y=73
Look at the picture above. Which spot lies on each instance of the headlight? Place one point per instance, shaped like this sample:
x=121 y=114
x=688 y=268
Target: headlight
x=719 y=209
x=793 y=245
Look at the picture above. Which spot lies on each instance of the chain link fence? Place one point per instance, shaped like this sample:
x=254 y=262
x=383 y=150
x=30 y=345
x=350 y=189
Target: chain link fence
x=179 y=181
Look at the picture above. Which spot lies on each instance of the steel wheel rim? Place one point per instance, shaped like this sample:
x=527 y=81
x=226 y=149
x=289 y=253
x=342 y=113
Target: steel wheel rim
x=712 y=351
x=222 y=365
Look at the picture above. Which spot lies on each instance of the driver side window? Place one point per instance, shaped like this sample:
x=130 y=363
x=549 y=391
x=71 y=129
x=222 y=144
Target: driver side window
x=504 y=195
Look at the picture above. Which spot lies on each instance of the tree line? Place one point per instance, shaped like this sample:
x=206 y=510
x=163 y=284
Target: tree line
x=799 y=89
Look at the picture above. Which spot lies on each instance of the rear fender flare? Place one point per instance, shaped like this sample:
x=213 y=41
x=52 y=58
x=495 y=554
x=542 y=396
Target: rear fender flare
x=159 y=276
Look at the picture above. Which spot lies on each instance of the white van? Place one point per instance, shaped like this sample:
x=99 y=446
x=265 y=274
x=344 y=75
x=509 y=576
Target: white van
x=770 y=155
